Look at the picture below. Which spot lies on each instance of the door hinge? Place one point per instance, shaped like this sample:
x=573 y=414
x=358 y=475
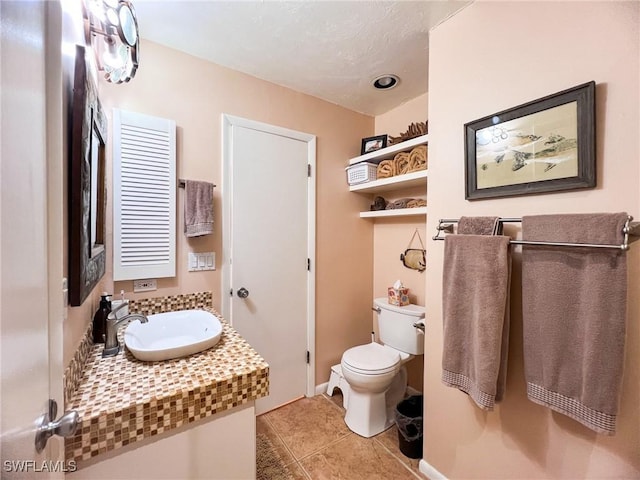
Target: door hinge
x=308 y=264
x=308 y=169
x=308 y=357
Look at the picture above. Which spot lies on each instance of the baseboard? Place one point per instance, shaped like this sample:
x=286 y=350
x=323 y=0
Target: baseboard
x=322 y=388
x=429 y=471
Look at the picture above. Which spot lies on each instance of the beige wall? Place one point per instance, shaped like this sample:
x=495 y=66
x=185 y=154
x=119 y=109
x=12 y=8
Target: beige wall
x=77 y=318
x=392 y=235
x=195 y=93
x=492 y=56
x=396 y=121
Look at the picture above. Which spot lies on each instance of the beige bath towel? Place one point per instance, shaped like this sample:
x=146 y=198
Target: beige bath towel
x=477 y=270
x=574 y=312
x=198 y=208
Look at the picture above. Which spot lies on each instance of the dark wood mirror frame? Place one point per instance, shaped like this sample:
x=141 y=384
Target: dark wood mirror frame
x=87 y=193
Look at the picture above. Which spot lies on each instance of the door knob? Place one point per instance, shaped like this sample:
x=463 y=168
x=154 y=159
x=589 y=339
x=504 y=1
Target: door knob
x=65 y=426
x=243 y=293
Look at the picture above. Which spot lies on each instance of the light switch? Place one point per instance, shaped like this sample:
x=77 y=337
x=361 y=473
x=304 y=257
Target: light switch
x=193 y=261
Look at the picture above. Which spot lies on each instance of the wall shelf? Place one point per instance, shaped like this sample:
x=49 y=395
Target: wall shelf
x=397 y=182
x=389 y=152
x=399 y=212
x=413 y=179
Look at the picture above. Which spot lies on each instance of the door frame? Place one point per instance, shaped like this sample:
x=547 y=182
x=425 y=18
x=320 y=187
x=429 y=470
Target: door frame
x=228 y=122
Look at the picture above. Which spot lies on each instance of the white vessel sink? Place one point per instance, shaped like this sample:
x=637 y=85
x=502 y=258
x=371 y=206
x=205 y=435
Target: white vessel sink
x=172 y=335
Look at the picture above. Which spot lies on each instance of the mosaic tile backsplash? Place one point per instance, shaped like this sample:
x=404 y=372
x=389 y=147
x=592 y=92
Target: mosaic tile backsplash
x=122 y=400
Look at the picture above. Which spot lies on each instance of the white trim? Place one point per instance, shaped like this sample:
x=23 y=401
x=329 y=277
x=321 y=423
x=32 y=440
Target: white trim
x=228 y=122
x=311 y=277
x=226 y=280
x=322 y=388
x=430 y=471
x=396 y=212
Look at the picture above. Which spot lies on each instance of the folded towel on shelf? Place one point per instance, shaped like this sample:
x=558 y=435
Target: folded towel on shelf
x=417 y=159
x=476 y=278
x=400 y=203
x=416 y=202
x=401 y=161
x=386 y=169
x=198 y=208
x=479 y=226
x=574 y=314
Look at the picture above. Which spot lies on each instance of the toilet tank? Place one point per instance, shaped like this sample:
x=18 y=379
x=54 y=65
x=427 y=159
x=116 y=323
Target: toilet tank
x=395 y=326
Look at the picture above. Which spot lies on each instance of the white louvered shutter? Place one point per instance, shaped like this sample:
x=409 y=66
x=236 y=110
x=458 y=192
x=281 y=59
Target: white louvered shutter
x=144 y=203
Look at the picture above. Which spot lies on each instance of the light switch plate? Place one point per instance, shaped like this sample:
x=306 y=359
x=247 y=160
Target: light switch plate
x=202 y=261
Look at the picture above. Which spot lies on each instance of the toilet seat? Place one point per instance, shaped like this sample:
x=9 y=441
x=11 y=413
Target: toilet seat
x=371 y=359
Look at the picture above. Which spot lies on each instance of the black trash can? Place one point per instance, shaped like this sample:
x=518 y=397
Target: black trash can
x=409 y=421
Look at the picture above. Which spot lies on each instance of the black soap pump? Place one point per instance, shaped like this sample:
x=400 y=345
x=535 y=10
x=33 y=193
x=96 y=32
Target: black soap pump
x=100 y=319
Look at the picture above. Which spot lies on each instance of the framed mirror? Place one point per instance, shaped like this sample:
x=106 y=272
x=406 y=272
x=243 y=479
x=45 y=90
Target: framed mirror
x=87 y=193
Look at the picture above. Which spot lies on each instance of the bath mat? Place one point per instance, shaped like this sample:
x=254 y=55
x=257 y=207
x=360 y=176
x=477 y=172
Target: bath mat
x=269 y=465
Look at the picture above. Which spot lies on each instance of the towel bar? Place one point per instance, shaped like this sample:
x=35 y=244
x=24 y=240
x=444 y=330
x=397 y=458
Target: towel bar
x=182 y=183
x=631 y=232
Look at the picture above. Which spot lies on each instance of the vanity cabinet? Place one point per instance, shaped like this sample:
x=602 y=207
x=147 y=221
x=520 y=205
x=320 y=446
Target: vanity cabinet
x=392 y=184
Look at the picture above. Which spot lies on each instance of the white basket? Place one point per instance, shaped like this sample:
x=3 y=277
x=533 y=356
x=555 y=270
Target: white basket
x=361 y=172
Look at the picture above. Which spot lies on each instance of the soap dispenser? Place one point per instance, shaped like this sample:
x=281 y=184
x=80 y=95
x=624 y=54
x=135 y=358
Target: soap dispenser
x=100 y=319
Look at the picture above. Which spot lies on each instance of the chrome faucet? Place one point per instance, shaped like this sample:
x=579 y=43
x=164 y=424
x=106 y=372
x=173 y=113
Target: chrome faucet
x=111 y=345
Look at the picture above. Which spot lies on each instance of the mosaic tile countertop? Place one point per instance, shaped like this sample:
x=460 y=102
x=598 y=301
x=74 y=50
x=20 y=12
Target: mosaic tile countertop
x=122 y=400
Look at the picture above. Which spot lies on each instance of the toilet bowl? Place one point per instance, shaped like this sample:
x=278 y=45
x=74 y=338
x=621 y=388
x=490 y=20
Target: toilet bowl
x=370 y=370
x=375 y=372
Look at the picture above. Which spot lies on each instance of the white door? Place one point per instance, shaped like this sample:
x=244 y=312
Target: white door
x=269 y=194
x=26 y=141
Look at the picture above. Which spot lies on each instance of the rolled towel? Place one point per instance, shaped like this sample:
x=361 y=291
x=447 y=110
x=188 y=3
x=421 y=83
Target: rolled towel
x=418 y=159
x=416 y=202
x=386 y=169
x=402 y=163
x=400 y=203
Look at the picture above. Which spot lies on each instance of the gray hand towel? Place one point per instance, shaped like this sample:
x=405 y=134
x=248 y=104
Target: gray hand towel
x=574 y=313
x=479 y=226
x=198 y=208
x=477 y=270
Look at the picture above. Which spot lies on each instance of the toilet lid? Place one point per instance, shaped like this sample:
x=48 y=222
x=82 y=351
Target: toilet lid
x=372 y=358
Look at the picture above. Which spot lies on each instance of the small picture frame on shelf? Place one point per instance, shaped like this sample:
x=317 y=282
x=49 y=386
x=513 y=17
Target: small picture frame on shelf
x=371 y=144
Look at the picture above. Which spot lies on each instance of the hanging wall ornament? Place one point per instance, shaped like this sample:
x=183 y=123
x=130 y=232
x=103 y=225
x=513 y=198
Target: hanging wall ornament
x=414 y=258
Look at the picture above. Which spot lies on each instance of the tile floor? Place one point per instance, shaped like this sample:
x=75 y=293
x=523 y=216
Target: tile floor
x=310 y=438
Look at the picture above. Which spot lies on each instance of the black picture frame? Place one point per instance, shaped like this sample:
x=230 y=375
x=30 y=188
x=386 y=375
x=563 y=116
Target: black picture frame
x=87 y=192
x=371 y=144
x=545 y=145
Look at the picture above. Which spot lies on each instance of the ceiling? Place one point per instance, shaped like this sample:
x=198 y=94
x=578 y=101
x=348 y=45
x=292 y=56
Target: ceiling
x=328 y=49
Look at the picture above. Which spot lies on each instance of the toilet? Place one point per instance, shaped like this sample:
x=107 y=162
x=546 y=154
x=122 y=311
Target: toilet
x=375 y=372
